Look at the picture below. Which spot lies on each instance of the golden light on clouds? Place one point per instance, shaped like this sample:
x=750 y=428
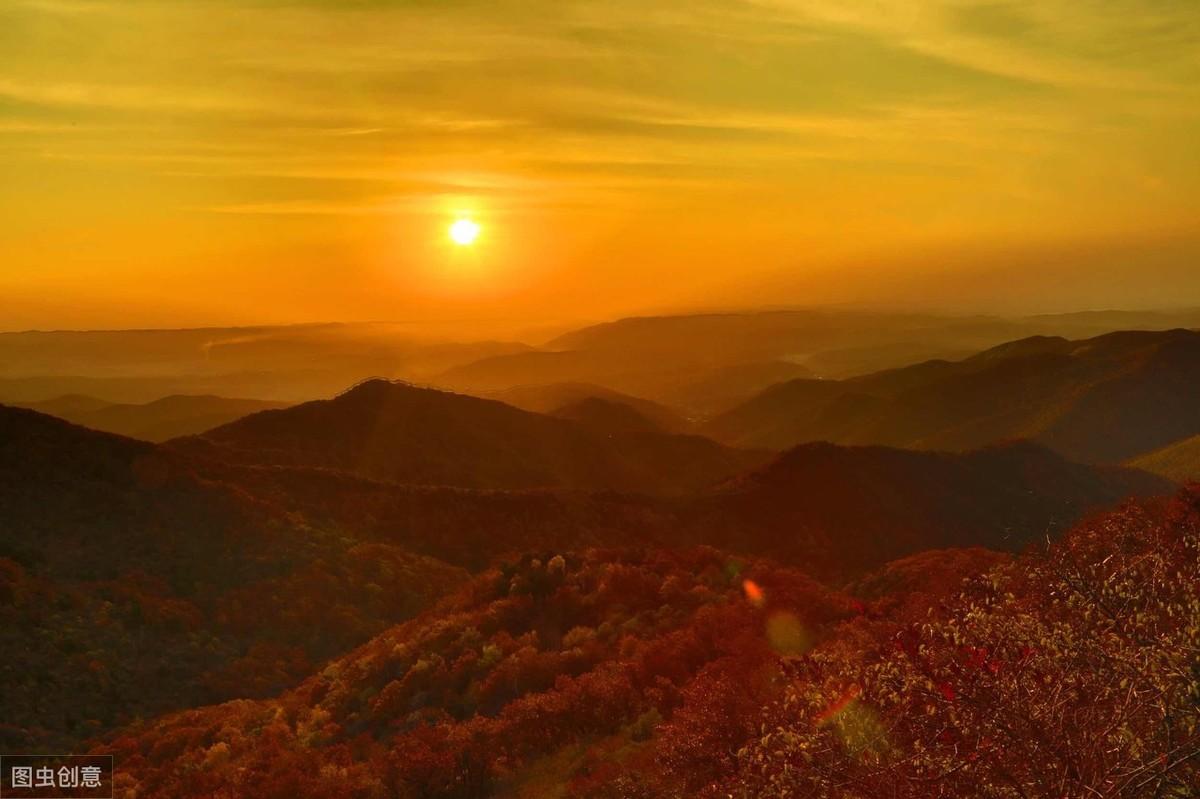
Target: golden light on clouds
x=705 y=152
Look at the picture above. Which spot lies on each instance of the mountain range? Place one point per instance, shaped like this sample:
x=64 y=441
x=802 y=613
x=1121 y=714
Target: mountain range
x=699 y=363
x=1104 y=399
x=706 y=363
x=402 y=433
x=408 y=580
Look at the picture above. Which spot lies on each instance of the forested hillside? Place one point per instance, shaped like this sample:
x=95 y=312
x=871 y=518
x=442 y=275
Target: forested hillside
x=130 y=586
x=1068 y=671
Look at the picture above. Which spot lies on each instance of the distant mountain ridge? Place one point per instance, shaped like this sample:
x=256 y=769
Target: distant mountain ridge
x=287 y=363
x=159 y=420
x=1104 y=399
x=702 y=362
x=707 y=363
x=551 y=398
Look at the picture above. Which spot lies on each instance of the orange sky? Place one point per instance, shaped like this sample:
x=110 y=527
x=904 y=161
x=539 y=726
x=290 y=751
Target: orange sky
x=212 y=162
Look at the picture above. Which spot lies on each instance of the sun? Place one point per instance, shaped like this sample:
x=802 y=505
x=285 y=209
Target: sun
x=463 y=232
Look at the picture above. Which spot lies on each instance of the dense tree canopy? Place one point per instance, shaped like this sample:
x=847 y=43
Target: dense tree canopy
x=1068 y=672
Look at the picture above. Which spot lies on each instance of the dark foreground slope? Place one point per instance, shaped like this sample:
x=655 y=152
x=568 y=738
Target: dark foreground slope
x=401 y=433
x=1105 y=399
x=665 y=674
x=130 y=586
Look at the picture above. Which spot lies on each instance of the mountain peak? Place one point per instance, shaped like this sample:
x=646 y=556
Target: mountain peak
x=374 y=386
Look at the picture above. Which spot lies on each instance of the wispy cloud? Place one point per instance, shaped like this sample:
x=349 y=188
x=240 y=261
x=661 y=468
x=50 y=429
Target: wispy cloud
x=1103 y=44
x=960 y=115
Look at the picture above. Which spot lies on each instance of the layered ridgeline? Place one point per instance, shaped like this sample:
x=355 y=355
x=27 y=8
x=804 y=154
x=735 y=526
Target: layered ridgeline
x=402 y=433
x=144 y=579
x=1105 y=399
x=159 y=420
x=832 y=510
x=287 y=363
x=571 y=400
x=708 y=363
x=1068 y=672
x=129 y=586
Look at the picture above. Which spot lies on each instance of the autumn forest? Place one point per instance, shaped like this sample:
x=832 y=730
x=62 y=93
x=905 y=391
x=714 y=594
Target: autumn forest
x=581 y=399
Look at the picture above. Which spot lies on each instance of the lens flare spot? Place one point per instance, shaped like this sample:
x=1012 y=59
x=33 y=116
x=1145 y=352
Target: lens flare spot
x=856 y=724
x=838 y=705
x=753 y=593
x=787 y=635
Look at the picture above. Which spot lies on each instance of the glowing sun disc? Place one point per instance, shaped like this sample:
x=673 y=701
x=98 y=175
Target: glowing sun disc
x=464 y=232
